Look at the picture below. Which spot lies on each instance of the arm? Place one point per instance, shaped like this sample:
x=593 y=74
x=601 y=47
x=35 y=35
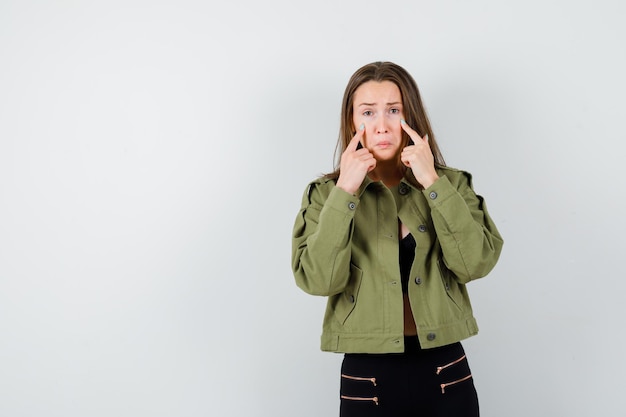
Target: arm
x=321 y=241
x=470 y=241
x=322 y=235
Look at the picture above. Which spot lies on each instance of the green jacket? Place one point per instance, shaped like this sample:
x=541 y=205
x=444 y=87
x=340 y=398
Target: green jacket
x=346 y=247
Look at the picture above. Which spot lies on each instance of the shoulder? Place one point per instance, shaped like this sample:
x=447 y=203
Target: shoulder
x=457 y=177
x=319 y=189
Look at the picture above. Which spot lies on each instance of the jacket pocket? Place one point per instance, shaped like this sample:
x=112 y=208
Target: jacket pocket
x=451 y=286
x=347 y=300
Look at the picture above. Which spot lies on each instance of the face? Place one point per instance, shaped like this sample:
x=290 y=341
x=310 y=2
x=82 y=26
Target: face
x=378 y=105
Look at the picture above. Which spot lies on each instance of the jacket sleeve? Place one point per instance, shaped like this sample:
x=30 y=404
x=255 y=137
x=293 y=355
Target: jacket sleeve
x=470 y=241
x=321 y=241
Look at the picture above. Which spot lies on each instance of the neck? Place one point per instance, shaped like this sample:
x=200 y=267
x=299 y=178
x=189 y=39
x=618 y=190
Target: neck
x=389 y=174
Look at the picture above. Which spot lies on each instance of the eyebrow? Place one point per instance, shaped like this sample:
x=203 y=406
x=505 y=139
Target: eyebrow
x=395 y=103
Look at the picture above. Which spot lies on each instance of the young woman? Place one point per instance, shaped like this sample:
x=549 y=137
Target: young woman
x=391 y=237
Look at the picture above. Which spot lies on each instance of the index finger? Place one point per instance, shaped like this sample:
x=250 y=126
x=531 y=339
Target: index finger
x=356 y=139
x=412 y=133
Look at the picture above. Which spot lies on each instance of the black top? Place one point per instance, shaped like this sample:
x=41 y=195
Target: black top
x=407 y=254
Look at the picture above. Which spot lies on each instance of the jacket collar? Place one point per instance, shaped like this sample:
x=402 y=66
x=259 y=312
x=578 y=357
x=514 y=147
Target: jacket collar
x=366 y=183
x=408 y=181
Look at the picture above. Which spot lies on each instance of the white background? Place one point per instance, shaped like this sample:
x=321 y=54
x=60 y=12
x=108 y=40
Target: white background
x=152 y=159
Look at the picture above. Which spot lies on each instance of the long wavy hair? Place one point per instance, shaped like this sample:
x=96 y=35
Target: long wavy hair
x=414 y=111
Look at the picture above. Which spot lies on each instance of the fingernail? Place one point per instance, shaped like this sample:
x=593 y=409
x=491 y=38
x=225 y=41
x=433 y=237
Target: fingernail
x=402 y=121
x=362 y=126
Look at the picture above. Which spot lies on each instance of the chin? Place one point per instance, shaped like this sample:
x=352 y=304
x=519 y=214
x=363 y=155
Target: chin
x=385 y=155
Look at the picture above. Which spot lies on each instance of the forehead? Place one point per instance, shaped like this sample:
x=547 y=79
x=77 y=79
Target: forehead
x=377 y=92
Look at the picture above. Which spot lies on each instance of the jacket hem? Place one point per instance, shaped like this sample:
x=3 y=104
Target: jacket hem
x=394 y=343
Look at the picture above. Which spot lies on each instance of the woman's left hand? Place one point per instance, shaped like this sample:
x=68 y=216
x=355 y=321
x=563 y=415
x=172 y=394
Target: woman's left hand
x=419 y=157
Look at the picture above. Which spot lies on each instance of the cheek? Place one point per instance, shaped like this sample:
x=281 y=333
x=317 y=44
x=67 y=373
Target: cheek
x=364 y=139
x=356 y=120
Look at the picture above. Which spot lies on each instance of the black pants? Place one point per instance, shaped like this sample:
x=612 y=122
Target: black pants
x=429 y=382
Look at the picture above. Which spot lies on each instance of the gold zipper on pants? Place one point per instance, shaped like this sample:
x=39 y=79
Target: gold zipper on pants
x=441 y=368
x=444 y=386
x=374 y=399
x=359 y=378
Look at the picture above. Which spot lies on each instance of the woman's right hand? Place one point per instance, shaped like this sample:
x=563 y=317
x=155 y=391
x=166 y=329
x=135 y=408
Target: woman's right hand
x=355 y=164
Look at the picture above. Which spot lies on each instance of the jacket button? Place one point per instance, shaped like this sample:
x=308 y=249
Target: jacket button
x=421 y=228
x=403 y=189
x=418 y=281
x=431 y=337
x=351 y=205
x=352 y=299
x=432 y=195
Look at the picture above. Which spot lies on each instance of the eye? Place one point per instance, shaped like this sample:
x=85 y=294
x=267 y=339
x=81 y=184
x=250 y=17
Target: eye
x=394 y=111
x=367 y=113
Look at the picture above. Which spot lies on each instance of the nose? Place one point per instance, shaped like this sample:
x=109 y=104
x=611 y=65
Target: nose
x=382 y=125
